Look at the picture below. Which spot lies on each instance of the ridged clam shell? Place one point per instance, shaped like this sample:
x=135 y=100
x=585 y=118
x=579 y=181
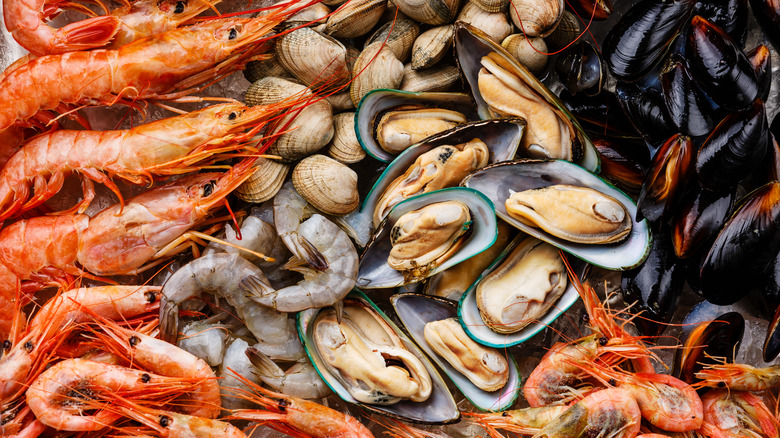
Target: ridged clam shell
x=568 y=30
x=257 y=70
x=537 y=18
x=437 y=78
x=400 y=40
x=356 y=18
x=316 y=13
x=492 y=5
x=493 y=24
x=264 y=183
x=310 y=130
x=345 y=146
x=311 y=56
x=340 y=101
x=328 y=185
x=528 y=51
x=433 y=12
x=431 y=46
x=376 y=67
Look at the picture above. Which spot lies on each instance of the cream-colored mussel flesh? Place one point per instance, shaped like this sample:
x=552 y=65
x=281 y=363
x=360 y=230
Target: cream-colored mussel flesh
x=523 y=287
x=441 y=167
x=402 y=127
x=369 y=358
x=424 y=238
x=486 y=367
x=547 y=135
x=577 y=214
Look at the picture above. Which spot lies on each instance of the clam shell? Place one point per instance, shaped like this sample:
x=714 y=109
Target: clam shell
x=498 y=181
x=345 y=146
x=379 y=101
x=527 y=51
x=313 y=57
x=440 y=408
x=435 y=12
x=475 y=327
x=493 y=24
x=374 y=272
x=431 y=46
x=471 y=46
x=400 y=40
x=492 y=5
x=565 y=33
x=340 y=101
x=355 y=18
x=415 y=311
x=316 y=13
x=376 y=67
x=264 y=183
x=537 y=18
x=257 y=70
x=328 y=185
x=434 y=79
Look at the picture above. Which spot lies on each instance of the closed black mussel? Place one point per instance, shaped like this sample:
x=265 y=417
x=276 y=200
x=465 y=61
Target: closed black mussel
x=719 y=66
x=761 y=60
x=702 y=216
x=744 y=248
x=598 y=9
x=624 y=163
x=734 y=149
x=667 y=178
x=637 y=42
x=767 y=13
x=717 y=338
x=646 y=110
x=729 y=15
x=580 y=69
x=687 y=105
x=600 y=115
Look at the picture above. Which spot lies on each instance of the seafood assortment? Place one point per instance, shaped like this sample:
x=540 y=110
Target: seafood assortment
x=532 y=217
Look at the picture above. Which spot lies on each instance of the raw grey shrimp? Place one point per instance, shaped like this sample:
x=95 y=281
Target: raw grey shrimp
x=729 y=413
x=301 y=380
x=290 y=209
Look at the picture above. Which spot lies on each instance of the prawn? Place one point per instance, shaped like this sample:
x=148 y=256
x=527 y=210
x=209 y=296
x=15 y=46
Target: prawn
x=168 y=146
x=301 y=380
x=527 y=421
x=295 y=416
x=26 y=21
x=289 y=212
x=739 y=377
x=48 y=250
x=736 y=414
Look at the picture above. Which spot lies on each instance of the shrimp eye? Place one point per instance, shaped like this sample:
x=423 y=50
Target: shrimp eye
x=585 y=318
x=612 y=382
x=721 y=384
x=28 y=346
x=233 y=34
x=165 y=420
x=208 y=189
x=134 y=340
x=145 y=378
x=6 y=344
x=151 y=297
x=180 y=7
x=233 y=116
x=603 y=341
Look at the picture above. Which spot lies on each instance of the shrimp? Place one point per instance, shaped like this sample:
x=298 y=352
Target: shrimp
x=172 y=424
x=289 y=212
x=526 y=421
x=318 y=288
x=47 y=250
x=736 y=414
x=168 y=146
x=297 y=417
x=301 y=380
x=397 y=429
x=54 y=397
x=739 y=377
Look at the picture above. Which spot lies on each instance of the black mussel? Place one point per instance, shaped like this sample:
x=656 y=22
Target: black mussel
x=624 y=163
x=761 y=60
x=600 y=115
x=580 y=69
x=729 y=15
x=772 y=341
x=666 y=178
x=734 y=149
x=717 y=338
x=646 y=110
x=702 y=216
x=655 y=286
x=770 y=286
x=767 y=13
x=744 y=248
x=687 y=105
x=719 y=67
x=598 y=9
x=638 y=41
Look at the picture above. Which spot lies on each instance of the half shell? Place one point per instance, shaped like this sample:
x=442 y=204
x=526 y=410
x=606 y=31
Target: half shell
x=497 y=182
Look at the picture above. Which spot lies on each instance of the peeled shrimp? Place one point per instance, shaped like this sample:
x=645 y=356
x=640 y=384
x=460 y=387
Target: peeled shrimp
x=300 y=380
x=289 y=212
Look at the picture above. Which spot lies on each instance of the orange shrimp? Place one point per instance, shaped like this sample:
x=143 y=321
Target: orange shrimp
x=526 y=421
x=739 y=377
x=296 y=417
x=736 y=414
x=398 y=429
x=165 y=147
x=26 y=21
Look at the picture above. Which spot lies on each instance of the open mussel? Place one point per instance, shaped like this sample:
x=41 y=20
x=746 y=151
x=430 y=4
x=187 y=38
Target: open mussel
x=688 y=107
x=700 y=219
x=667 y=177
x=581 y=70
x=719 y=338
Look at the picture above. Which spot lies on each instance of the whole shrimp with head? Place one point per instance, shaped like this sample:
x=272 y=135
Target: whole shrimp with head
x=47 y=250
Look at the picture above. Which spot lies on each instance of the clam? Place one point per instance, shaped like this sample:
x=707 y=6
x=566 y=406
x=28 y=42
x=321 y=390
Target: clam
x=256 y=70
x=423 y=259
x=433 y=12
x=399 y=35
x=354 y=19
x=431 y=46
x=376 y=67
x=436 y=78
x=567 y=31
x=523 y=288
x=537 y=18
x=494 y=24
x=328 y=185
x=468 y=364
x=313 y=57
x=531 y=52
x=493 y=295
x=264 y=183
x=501 y=85
x=355 y=357
x=498 y=182
x=316 y=13
x=345 y=146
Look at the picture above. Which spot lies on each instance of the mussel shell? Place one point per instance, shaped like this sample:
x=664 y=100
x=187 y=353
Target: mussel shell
x=374 y=272
x=471 y=45
x=475 y=327
x=702 y=216
x=440 y=408
x=734 y=149
x=638 y=41
x=601 y=115
x=499 y=180
x=414 y=311
x=598 y=9
x=767 y=13
x=720 y=337
x=772 y=341
x=687 y=105
x=729 y=15
x=761 y=60
x=667 y=177
x=744 y=248
x=377 y=102
x=624 y=163
x=581 y=70
x=646 y=110
x=655 y=286
x=719 y=66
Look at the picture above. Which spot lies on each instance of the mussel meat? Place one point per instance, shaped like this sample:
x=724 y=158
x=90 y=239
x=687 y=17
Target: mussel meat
x=401 y=127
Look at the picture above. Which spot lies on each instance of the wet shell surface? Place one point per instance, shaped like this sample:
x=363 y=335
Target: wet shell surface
x=313 y=57
x=438 y=408
x=376 y=67
x=417 y=312
x=531 y=52
x=345 y=146
x=499 y=181
x=433 y=12
x=431 y=46
x=354 y=19
x=433 y=79
x=265 y=182
x=326 y=184
x=402 y=34
x=494 y=24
